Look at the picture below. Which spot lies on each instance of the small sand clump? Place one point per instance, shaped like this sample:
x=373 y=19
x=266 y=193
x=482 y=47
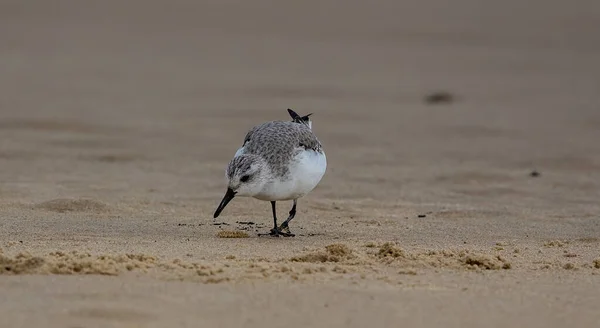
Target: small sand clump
x=338 y=250
x=486 y=262
x=20 y=264
x=332 y=253
x=597 y=263
x=232 y=234
x=556 y=243
x=411 y=272
x=389 y=250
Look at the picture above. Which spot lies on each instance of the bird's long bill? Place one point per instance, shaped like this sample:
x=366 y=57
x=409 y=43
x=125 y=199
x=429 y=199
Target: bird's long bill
x=226 y=199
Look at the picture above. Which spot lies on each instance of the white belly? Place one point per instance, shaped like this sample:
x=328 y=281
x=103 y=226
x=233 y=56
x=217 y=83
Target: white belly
x=306 y=172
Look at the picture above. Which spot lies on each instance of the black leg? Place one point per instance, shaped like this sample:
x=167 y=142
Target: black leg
x=277 y=231
x=284 y=226
x=274 y=215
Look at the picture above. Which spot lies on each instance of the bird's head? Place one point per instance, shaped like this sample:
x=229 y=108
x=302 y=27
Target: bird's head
x=246 y=176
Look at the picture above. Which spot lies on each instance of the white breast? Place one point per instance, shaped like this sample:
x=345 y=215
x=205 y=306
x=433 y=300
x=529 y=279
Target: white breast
x=306 y=171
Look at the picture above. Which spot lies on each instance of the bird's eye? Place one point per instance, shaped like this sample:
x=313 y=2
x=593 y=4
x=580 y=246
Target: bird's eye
x=244 y=178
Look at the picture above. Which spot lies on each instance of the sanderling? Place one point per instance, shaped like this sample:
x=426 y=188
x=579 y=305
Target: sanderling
x=277 y=161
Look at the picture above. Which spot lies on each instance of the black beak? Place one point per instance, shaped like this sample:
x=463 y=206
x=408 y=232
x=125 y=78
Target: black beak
x=226 y=199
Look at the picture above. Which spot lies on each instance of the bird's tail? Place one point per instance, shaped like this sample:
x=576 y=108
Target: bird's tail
x=301 y=119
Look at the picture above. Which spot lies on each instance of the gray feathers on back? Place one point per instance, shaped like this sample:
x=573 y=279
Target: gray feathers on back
x=277 y=142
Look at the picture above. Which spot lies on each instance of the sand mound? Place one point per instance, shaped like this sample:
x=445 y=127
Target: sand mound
x=486 y=262
x=63 y=205
x=461 y=259
x=390 y=255
x=331 y=262
x=20 y=264
x=388 y=249
x=332 y=253
x=74 y=263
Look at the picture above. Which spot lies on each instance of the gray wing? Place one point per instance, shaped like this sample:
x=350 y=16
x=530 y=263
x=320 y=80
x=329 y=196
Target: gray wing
x=278 y=141
x=278 y=133
x=308 y=140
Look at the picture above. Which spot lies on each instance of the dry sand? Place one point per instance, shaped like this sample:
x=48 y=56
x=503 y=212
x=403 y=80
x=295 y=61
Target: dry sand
x=118 y=118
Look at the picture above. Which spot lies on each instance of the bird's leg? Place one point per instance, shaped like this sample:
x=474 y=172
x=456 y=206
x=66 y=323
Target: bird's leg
x=284 y=228
x=276 y=231
x=274 y=215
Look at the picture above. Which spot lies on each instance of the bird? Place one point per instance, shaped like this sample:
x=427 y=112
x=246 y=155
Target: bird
x=278 y=161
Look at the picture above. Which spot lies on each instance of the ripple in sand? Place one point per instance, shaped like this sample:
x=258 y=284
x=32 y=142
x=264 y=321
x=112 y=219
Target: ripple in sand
x=232 y=234
x=113 y=158
x=63 y=205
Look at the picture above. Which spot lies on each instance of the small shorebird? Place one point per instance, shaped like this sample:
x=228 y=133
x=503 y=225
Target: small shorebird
x=278 y=161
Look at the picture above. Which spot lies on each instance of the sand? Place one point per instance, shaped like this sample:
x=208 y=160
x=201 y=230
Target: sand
x=462 y=189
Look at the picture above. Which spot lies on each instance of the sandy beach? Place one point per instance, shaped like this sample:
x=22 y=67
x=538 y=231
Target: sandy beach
x=463 y=148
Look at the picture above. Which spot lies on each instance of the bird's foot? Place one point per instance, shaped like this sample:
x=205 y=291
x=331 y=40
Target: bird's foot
x=284 y=228
x=279 y=232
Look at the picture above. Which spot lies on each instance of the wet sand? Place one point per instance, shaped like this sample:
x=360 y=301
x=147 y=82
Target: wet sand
x=476 y=207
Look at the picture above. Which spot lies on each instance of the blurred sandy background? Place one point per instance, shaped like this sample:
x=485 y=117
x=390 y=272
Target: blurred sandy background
x=117 y=119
